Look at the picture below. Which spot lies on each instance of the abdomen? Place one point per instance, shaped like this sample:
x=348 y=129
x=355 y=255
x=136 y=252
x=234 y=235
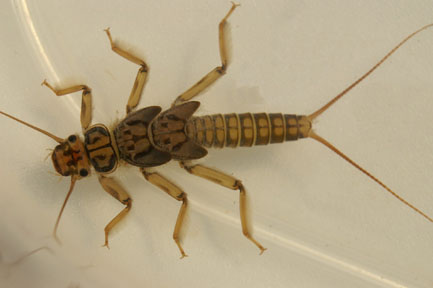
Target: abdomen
x=247 y=129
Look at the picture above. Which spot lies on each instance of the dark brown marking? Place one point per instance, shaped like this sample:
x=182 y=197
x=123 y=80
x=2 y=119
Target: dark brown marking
x=247 y=130
x=220 y=131
x=277 y=127
x=174 y=132
x=133 y=139
x=99 y=148
x=262 y=129
x=292 y=127
x=199 y=130
x=209 y=132
x=232 y=130
x=69 y=156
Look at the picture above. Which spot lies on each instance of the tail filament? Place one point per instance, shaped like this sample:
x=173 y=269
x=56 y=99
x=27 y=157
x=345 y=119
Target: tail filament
x=316 y=137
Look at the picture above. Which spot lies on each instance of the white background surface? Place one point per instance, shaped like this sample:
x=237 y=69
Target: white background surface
x=323 y=222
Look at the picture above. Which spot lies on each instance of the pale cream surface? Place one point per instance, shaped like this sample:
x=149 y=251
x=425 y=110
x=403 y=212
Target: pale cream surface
x=324 y=223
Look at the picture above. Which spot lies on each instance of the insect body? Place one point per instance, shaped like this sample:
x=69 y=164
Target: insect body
x=150 y=137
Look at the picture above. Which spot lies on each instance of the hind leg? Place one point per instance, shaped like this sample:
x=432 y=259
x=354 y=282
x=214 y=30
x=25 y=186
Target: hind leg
x=228 y=182
x=216 y=73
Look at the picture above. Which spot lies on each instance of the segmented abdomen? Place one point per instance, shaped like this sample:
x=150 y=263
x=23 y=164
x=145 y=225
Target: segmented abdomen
x=247 y=129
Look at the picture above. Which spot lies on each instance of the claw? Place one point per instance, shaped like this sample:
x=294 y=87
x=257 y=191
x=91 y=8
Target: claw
x=106 y=245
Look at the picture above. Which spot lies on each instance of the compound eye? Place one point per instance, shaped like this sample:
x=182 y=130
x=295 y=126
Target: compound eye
x=72 y=138
x=84 y=173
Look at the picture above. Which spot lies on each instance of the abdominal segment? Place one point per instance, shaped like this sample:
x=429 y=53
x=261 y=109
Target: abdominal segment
x=247 y=129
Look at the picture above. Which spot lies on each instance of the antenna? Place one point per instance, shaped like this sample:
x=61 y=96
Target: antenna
x=59 y=140
x=73 y=180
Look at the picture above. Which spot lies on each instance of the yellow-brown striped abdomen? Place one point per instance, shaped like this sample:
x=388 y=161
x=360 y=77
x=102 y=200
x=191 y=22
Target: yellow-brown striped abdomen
x=247 y=129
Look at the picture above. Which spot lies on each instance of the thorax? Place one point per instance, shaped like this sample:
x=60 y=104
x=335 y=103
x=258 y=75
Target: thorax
x=101 y=148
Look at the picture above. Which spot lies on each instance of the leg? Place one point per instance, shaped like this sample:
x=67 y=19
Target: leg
x=86 y=100
x=231 y=183
x=115 y=190
x=216 y=73
x=140 y=80
x=175 y=192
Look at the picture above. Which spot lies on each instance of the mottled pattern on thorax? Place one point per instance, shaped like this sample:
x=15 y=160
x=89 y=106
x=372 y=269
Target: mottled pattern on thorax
x=169 y=132
x=132 y=137
x=100 y=149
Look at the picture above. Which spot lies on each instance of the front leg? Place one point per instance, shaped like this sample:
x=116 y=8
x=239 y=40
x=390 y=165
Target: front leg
x=86 y=101
x=115 y=190
x=175 y=192
x=231 y=183
x=217 y=72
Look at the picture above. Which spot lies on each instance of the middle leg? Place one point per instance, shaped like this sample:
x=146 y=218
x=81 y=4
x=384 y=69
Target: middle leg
x=175 y=192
